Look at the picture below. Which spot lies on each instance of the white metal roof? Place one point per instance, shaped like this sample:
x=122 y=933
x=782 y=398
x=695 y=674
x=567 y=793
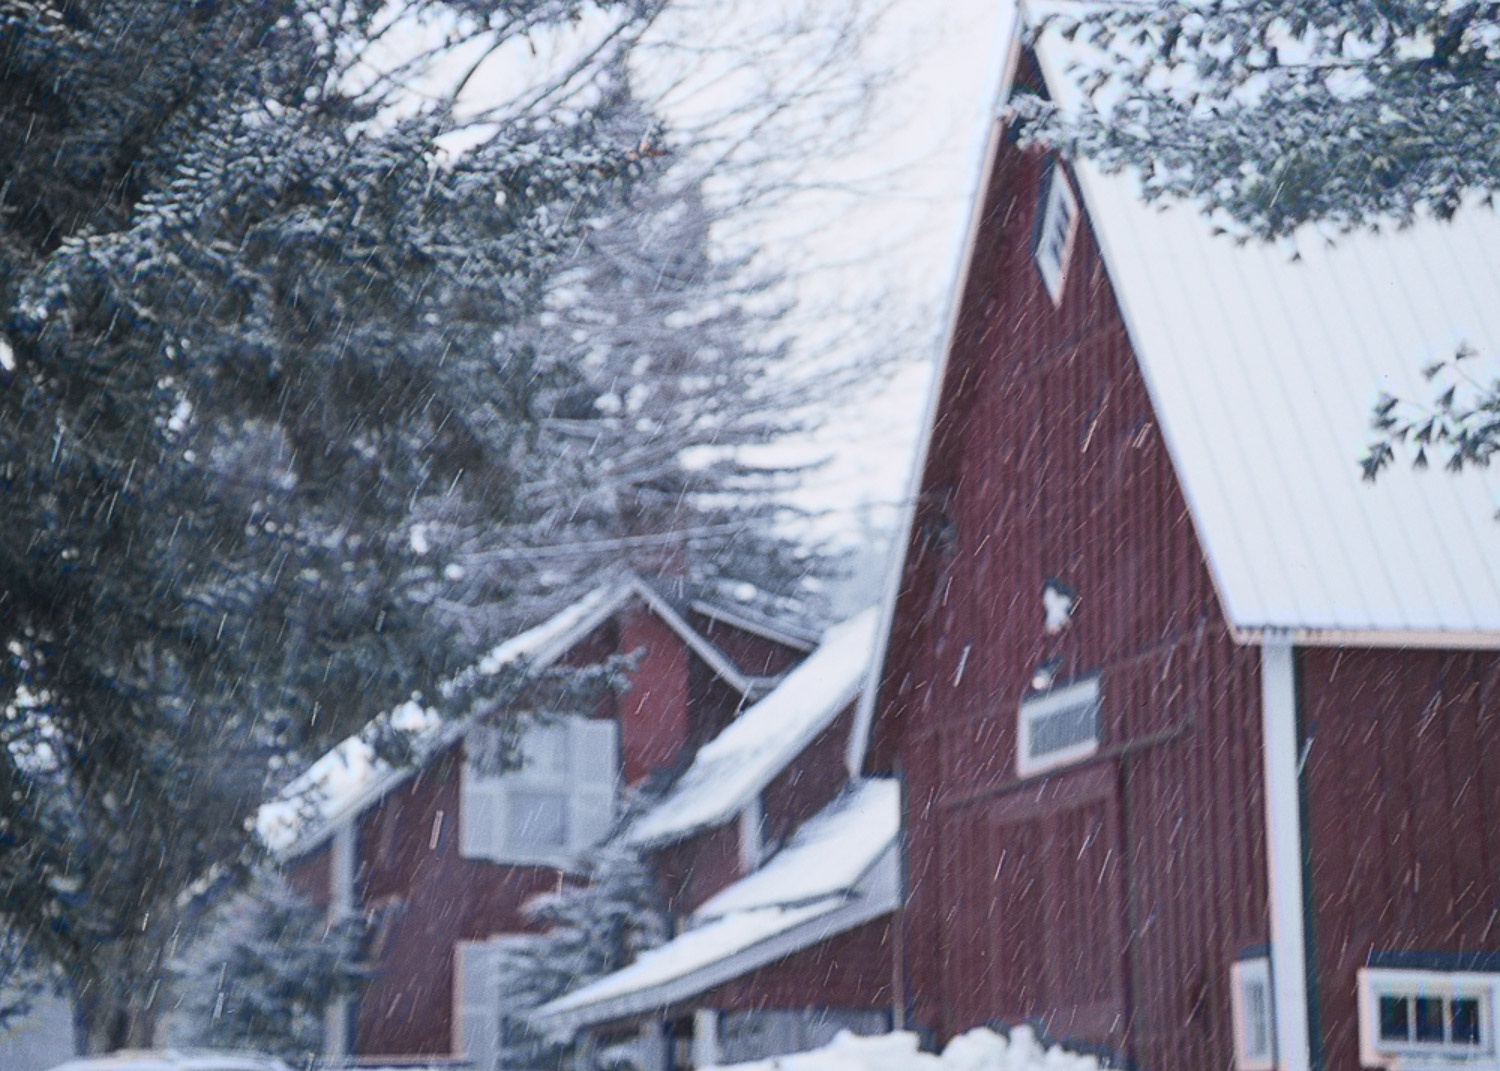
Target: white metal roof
x=1263 y=368
x=729 y=770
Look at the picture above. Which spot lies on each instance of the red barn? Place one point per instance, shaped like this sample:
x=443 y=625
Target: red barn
x=1200 y=732
x=783 y=875
x=443 y=856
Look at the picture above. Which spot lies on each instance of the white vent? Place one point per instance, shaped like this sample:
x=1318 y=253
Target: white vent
x=1058 y=727
x=1054 y=234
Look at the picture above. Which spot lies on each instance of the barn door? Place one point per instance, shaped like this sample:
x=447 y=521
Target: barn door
x=1056 y=949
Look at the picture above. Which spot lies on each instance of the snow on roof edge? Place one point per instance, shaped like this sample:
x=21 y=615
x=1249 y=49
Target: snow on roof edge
x=835 y=848
x=666 y=822
x=864 y=712
x=546 y=642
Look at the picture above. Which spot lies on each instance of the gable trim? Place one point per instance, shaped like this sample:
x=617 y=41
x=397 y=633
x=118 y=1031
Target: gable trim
x=899 y=551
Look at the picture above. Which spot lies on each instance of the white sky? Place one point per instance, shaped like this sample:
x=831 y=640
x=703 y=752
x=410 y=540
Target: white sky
x=871 y=261
x=891 y=250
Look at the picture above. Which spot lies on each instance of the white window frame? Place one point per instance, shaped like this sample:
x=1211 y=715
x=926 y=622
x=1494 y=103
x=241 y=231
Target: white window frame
x=476 y=1015
x=1377 y=982
x=1244 y=975
x=587 y=781
x=1061 y=697
x=1057 y=198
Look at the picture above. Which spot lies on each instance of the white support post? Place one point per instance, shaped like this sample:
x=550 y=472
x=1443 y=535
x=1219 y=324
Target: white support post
x=1284 y=853
x=341 y=867
x=752 y=836
x=705 y=1037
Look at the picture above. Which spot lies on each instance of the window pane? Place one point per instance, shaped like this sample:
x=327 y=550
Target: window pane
x=1063 y=728
x=545 y=748
x=1257 y=1021
x=538 y=819
x=1429 y=1019
x=1394 y=1023
x=1466 y=1021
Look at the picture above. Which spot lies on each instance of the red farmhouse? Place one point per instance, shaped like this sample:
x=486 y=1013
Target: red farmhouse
x=443 y=856
x=1200 y=732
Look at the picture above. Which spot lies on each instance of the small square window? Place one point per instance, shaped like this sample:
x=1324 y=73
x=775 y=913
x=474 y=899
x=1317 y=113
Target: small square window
x=1058 y=726
x=1251 y=1003
x=538 y=818
x=1393 y=1022
x=1466 y=1021
x=1057 y=219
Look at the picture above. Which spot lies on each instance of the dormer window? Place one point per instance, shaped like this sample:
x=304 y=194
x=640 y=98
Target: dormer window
x=1057 y=220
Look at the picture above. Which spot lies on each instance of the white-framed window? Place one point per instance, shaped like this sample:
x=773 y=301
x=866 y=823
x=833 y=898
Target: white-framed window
x=1254 y=1024
x=476 y=1000
x=1057 y=222
x=559 y=802
x=1058 y=726
x=1420 y=1018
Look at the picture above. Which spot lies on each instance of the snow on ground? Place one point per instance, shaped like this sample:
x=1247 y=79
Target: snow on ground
x=827 y=855
x=977 y=1050
x=729 y=770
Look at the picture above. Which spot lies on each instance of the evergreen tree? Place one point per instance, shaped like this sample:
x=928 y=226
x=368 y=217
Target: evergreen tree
x=592 y=929
x=248 y=303
x=1274 y=114
x=265 y=971
x=660 y=375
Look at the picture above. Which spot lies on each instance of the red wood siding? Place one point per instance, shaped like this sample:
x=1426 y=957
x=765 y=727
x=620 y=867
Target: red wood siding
x=849 y=970
x=756 y=655
x=1109 y=898
x=695 y=869
x=712 y=704
x=654 y=711
x=807 y=784
x=310 y=875
x=1403 y=803
x=430 y=898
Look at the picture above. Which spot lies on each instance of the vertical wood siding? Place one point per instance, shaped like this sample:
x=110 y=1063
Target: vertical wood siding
x=1403 y=803
x=1106 y=899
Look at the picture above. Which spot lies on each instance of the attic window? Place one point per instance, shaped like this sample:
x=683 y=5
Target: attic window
x=1057 y=727
x=1057 y=220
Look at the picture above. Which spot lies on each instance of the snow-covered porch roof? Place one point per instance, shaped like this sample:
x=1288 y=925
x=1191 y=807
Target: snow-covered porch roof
x=735 y=766
x=839 y=870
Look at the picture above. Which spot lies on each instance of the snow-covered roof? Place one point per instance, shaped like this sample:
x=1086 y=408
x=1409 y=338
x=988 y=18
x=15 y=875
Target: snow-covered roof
x=783 y=632
x=732 y=768
x=1263 y=370
x=826 y=856
x=838 y=871
x=349 y=777
x=980 y=1049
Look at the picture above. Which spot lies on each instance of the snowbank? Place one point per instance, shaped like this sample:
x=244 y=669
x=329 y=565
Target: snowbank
x=977 y=1050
